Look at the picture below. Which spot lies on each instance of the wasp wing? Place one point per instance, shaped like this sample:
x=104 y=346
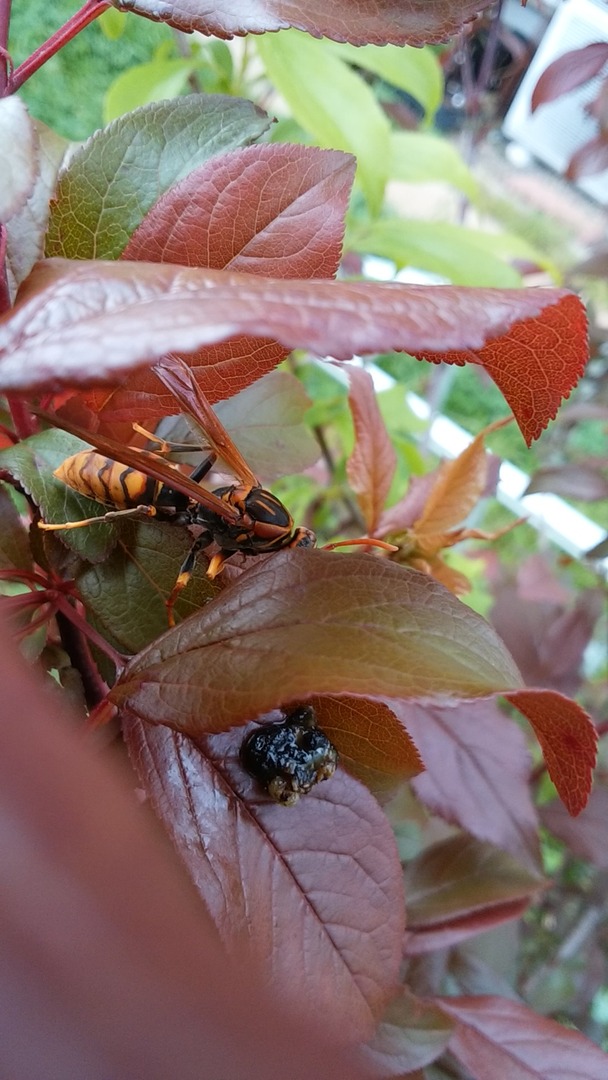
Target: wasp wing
x=147 y=462
x=179 y=380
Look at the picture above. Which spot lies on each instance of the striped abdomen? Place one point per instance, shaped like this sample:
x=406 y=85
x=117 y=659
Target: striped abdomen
x=107 y=481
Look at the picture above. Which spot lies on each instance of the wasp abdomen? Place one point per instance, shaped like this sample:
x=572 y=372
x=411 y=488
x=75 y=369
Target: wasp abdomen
x=107 y=481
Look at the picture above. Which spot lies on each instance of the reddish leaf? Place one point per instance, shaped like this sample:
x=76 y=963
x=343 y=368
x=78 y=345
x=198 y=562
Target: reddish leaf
x=568 y=740
x=371 y=466
x=412 y=1034
x=276 y=210
x=405 y=512
x=590 y=158
x=569 y=71
x=370 y=732
x=534 y=378
x=583 y=481
x=460 y=877
x=123 y=315
x=313 y=622
x=110 y=965
x=500 y=1038
x=547 y=637
x=585 y=836
x=314 y=890
x=461 y=928
x=477 y=772
x=356 y=21
x=114 y=178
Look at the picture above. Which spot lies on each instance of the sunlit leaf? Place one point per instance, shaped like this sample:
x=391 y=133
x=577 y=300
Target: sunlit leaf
x=20 y=166
x=568 y=740
x=415 y=71
x=419 y=157
x=314 y=889
x=336 y=106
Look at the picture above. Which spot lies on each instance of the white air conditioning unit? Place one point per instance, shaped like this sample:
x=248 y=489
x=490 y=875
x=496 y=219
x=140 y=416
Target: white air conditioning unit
x=556 y=130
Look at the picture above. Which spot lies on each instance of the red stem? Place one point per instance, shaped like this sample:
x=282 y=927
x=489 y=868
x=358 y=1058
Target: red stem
x=5 y=18
x=90 y=10
x=23 y=421
x=70 y=612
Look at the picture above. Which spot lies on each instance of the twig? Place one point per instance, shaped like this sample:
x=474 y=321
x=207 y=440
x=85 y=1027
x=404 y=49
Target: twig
x=89 y=11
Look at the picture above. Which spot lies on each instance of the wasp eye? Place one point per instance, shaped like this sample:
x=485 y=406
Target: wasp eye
x=289 y=758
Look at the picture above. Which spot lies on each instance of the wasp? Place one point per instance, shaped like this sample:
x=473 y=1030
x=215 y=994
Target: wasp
x=242 y=517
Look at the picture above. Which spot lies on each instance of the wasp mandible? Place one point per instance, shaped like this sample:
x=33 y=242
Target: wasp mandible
x=242 y=517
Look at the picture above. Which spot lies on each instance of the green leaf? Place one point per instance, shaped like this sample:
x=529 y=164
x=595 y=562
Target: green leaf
x=140 y=85
x=118 y=174
x=125 y=594
x=14 y=542
x=112 y=23
x=32 y=462
x=335 y=105
x=314 y=622
x=415 y=71
x=418 y=157
x=464 y=256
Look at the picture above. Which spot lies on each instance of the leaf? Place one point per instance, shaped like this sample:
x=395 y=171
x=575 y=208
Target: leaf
x=461 y=876
x=581 y=481
x=123 y=315
x=14 y=541
x=458 y=487
x=117 y=175
x=546 y=633
x=142 y=84
x=589 y=159
x=25 y=231
x=125 y=595
x=411 y=1034
x=415 y=71
x=585 y=836
x=462 y=255
x=265 y=421
x=369 y=732
x=91 y=887
x=371 y=466
x=356 y=21
x=273 y=210
x=567 y=738
x=501 y=1038
x=571 y=70
x=314 y=622
x=550 y=377
x=32 y=462
x=336 y=106
x=19 y=168
x=419 y=156
x=314 y=890
x=477 y=772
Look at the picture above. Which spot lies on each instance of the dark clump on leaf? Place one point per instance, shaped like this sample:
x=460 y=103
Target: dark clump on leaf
x=289 y=758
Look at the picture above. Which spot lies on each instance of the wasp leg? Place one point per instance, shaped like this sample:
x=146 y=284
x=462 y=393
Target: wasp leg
x=216 y=563
x=185 y=573
x=139 y=511
x=163 y=445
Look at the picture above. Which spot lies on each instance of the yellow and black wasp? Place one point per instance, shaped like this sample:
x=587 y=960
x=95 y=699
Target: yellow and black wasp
x=242 y=517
